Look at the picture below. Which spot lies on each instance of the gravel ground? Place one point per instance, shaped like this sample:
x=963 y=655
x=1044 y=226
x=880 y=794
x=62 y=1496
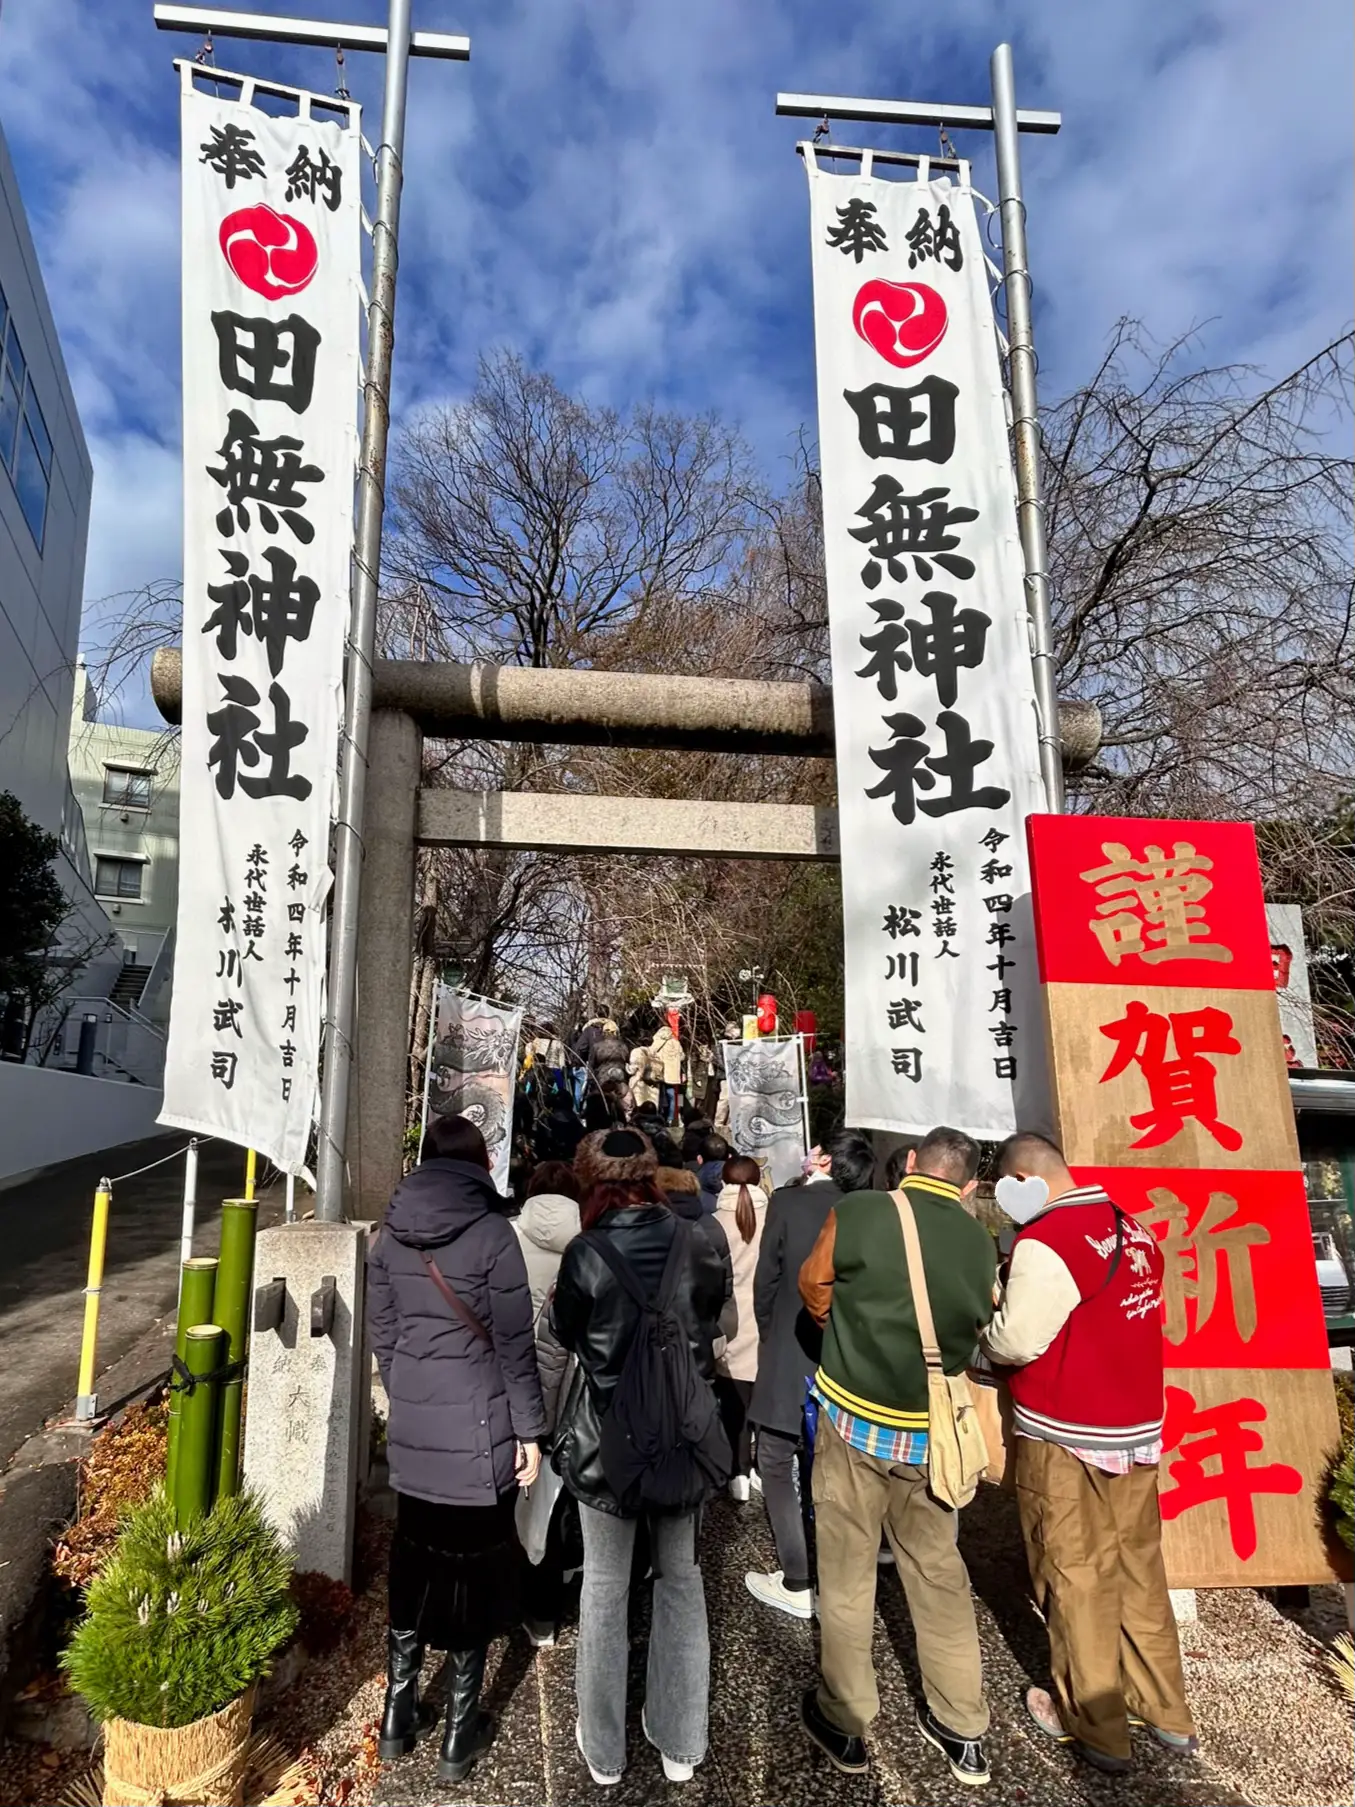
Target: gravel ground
x=1275 y=1728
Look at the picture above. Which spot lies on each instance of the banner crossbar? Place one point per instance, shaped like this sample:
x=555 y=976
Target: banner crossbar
x=909 y=112
x=265 y=28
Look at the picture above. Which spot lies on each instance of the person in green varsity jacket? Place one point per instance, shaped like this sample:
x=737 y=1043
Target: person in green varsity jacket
x=870 y=1457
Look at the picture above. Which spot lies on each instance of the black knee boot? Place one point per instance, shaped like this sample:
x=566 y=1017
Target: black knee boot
x=470 y=1731
x=406 y=1718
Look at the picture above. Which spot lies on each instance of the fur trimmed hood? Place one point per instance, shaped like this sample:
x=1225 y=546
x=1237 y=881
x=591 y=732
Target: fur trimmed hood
x=677 y=1179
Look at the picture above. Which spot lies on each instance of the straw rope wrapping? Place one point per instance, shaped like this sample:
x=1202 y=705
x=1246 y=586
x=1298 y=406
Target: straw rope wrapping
x=198 y=1765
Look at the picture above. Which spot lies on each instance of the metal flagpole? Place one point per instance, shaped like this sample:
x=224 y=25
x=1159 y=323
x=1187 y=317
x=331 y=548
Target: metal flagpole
x=1006 y=123
x=343 y=931
x=1026 y=434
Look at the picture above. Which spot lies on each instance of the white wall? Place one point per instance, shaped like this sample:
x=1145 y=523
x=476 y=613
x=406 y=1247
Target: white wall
x=47 y=1116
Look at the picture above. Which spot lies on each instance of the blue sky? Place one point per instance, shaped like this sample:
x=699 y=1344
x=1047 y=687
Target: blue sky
x=605 y=188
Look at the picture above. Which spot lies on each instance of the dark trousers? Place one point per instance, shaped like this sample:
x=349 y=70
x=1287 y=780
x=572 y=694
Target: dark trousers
x=733 y=1398
x=778 y=1456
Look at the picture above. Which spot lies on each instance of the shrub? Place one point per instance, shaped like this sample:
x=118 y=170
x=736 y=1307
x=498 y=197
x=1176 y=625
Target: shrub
x=180 y=1623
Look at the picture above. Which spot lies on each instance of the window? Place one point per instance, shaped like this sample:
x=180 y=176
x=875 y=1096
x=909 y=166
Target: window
x=33 y=467
x=126 y=790
x=118 y=878
x=25 y=444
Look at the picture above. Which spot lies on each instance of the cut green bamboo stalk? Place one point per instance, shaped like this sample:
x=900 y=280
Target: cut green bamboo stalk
x=234 y=1288
x=195 y=1469
x=197 y=1288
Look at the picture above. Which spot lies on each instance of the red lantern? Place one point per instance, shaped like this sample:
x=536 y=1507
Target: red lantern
x=807 y=1024
x=766 y=1014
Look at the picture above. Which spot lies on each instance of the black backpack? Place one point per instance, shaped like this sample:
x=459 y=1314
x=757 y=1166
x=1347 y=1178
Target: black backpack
x=662 y=1445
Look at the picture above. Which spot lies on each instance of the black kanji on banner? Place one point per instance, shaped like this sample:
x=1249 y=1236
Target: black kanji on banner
x=857 y=230
x=267 y=360
x=230 y=152
x=913 y=423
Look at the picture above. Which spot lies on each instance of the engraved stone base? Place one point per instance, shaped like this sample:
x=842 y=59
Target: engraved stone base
x=305 y=1420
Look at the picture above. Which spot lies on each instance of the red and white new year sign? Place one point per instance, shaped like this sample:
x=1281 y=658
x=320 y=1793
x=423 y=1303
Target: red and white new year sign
x=1171 y=1092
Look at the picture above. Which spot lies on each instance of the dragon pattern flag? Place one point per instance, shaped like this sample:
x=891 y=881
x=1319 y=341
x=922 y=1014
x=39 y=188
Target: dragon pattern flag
x=472 y=1070
x=767 y=1103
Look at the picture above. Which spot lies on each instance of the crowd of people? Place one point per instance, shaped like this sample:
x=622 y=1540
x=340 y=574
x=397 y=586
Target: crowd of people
x=570 y=1387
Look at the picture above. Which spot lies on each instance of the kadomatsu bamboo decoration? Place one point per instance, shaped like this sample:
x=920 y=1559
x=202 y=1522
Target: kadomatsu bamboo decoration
x=234 y=1287
x=182 y=1622
x=197 y=1287
x=195 y=1464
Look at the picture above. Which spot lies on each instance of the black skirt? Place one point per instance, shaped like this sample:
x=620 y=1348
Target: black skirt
x=455 y=1571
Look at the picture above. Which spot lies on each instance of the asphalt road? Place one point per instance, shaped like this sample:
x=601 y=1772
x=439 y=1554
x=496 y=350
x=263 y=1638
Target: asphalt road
x=44 y=1251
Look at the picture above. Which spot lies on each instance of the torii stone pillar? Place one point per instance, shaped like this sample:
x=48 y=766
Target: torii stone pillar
x=376 y=1110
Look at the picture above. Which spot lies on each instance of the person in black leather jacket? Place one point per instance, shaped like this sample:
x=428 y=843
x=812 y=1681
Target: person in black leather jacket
x=595 y=1319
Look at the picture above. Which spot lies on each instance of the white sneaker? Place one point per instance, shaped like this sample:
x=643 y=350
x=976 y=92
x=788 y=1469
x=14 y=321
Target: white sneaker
x=672 y=1769
x=884 y=1557
x=772 y=1591
x=739 y=1489
x=603 y=1781
x=755 y=1481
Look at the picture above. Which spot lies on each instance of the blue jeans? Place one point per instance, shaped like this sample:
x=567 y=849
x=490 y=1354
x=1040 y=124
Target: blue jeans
x=677 y=1683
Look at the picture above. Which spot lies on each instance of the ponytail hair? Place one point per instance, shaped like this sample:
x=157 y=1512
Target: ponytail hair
x=742 y=1171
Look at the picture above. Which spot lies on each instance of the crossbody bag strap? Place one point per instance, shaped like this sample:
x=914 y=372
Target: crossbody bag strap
x=458 y=1305
x=621 y=1269
x=917 y=1279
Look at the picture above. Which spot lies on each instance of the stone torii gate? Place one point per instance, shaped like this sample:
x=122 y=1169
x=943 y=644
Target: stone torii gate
x=570 y=708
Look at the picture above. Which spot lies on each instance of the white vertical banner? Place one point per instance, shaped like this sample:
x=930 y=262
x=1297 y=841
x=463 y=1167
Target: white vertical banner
x=472 y=1070
x=767 y=1103
x=937 y=748
x=271 y=312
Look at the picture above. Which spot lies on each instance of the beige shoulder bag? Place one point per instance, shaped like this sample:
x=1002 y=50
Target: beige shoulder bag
x=956 y=1452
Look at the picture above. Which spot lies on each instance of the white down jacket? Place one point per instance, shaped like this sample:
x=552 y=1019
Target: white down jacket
x=546 y=1226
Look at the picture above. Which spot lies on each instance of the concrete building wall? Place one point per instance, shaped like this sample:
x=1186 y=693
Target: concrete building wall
x=50 y=1116
x=41 y=573
x=111 y=768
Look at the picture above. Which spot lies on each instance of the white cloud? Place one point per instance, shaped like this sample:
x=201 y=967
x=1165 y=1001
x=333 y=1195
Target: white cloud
x=605 y=188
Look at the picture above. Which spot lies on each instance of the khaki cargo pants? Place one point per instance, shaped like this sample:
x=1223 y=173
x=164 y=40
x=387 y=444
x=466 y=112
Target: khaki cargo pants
x=1094 y=1543
x=855 y=1497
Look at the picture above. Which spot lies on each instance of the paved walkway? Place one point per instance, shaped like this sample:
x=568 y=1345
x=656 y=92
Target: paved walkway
x=44 y=1251
x=1275 y=1730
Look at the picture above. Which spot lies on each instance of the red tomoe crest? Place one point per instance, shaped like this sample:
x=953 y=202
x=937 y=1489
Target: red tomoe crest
x=271 y=253
x=903 y=321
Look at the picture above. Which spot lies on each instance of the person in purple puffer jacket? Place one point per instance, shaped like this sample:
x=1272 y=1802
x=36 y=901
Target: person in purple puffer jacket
x=449 y=1310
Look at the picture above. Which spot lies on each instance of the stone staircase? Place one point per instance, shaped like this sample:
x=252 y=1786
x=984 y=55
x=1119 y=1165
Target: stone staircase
x=131 y=982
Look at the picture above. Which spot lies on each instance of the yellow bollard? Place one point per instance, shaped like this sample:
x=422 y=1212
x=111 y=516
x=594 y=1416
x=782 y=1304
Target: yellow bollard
x=86 y=1404
x=251 y=1164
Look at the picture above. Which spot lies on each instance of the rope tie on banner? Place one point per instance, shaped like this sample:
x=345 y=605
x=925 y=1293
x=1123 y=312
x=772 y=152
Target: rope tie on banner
x=181 y=1381
x=341 y=91
x=821 y=130
x=946 y=144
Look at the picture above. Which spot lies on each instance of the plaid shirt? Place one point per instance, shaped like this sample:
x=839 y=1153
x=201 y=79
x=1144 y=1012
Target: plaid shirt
x=910 y=1447
x=892 y=1446
x=1119 y=1461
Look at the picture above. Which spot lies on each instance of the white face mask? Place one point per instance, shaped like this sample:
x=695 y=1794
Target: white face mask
x=1022 y=1200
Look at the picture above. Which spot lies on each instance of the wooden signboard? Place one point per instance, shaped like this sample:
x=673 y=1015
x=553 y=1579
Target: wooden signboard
x=1170 y=1089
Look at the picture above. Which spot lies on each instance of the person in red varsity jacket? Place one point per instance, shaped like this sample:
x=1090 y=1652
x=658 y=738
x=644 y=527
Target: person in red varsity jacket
x=1079 y=1326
